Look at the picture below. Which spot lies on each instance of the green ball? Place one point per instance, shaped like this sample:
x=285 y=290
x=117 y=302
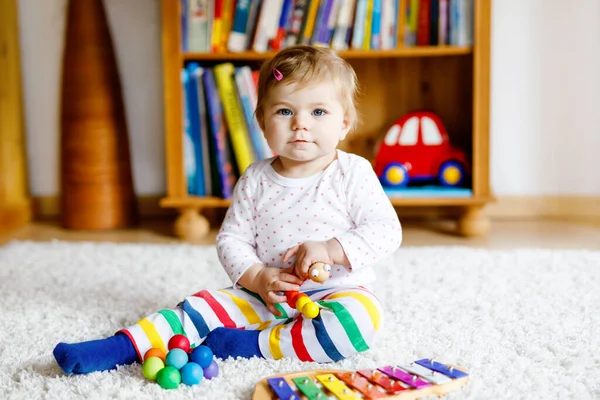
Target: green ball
x=168 y=377
x=151 y=367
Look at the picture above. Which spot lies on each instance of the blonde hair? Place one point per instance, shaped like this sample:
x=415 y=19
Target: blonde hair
x=304 y=65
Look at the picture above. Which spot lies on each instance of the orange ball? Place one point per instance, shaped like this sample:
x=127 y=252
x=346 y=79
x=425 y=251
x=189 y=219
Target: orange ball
x=155 y=352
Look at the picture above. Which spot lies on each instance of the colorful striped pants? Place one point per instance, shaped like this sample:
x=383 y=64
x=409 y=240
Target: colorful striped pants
x=349 y=321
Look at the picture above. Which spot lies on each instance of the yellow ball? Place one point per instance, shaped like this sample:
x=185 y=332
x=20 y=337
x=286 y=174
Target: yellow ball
x=301 y=301
x=310 y=310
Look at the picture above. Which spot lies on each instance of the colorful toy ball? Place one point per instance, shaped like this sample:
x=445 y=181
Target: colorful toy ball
x=179 y=342
x=212 y=371
x=202 y=355
x=191 y=374
x=177 y=358
x=155 y=352
x=168 y=377
x=310 y=310
x=151 y=367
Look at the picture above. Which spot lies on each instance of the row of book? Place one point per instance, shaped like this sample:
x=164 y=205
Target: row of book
x=270 y=25
x=221 y=136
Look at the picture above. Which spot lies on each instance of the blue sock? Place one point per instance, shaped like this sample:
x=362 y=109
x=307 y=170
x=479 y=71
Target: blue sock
x=225 y=342
x=95 y=355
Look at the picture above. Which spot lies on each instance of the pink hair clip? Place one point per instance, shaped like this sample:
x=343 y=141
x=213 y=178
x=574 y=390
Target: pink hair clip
x=278 y=75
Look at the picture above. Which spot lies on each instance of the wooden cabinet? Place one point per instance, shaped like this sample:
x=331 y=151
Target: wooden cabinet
x=453 y=81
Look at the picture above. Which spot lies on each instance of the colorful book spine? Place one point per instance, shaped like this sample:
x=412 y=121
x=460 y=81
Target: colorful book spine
x=277 y=43
x=368 y=26
x=234 y=116
x=297 y=21
x=204 y=135
x=238 y=37
x=217 y=28
x=216 y=121
x=193 y=106
x=189 y=158
x=226 y=23
x=423 y=22
x=198 y=23
x=358 y=34
x=310 y=21
x=183 y=18
x=443 y=22
x=376 y=25
x=343 y=24
x=434 y=16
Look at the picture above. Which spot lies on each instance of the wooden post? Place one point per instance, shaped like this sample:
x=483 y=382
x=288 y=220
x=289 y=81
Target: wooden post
x=15 y=203
x=96 y=182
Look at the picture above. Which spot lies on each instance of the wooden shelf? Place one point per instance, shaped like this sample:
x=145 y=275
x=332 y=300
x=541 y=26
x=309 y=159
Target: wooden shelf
x=422 y=51
x=453 y=81
x=216 y=202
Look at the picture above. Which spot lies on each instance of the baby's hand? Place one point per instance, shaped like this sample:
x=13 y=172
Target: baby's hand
x=306 y=254
x=272 y=281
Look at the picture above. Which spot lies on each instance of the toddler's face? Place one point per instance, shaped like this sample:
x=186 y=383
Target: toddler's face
x=304 y=124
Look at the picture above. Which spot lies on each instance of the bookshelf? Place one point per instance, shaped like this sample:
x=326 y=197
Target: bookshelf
x=453 y=81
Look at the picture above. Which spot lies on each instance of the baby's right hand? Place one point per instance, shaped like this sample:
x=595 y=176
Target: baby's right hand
x=272 y=281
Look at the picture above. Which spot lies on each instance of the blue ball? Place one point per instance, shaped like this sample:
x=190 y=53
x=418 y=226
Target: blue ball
x=191 y=373
x=202 y=355
x=176 y=358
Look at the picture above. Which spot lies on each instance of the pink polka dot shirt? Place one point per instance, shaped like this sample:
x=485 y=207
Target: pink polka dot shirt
x=270 y=213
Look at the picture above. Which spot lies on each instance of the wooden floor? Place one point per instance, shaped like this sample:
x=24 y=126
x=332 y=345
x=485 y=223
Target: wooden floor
x=504 y=234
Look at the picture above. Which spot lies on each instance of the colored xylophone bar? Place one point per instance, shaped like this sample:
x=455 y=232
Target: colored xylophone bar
x=406 y=381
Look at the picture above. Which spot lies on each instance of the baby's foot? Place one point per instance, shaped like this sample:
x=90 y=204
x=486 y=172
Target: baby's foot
x=95 y=355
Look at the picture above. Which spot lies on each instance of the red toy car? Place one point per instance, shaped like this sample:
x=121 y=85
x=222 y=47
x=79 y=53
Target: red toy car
x=417 y=147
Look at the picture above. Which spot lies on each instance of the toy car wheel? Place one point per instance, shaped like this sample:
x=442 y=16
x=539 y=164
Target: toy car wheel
x=451 y=174
x=395 y=174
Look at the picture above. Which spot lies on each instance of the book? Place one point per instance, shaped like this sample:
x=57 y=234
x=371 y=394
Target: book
x=234 y=117
x=198 y=25
x=189 y=157
x=194 y=72
x=222 y=159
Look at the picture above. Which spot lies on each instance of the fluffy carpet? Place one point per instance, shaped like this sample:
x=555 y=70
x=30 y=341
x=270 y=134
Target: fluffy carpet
x=525 y=323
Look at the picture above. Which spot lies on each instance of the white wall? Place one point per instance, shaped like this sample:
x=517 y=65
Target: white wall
x=545 y=117
x=545 y=96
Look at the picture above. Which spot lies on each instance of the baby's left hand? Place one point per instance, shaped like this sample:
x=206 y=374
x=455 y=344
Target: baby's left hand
x=307 y=254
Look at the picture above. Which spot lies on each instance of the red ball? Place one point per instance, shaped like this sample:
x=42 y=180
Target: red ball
x=179 y=342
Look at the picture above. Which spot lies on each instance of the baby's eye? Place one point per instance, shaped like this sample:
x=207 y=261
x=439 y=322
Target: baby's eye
x=284 y=111
x=319 y=112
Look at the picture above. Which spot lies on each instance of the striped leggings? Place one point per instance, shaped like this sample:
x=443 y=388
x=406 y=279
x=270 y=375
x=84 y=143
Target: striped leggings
x=348 y=324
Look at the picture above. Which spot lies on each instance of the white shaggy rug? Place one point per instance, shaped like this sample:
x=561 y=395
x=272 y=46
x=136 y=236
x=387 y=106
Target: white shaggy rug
x=525 y=323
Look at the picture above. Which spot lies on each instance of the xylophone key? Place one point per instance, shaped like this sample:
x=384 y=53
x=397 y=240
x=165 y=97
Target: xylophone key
x=309 y=388
x=282 y=389
x=336 y=387
x=360 y=383
x=441 y=368
x=405 y=377
x=426 y=373
x=378 y=378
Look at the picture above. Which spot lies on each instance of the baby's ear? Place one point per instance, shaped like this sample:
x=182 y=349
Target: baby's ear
x=346 y=126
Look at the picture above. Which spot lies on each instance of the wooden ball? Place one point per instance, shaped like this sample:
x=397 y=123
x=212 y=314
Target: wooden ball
x=319 y=272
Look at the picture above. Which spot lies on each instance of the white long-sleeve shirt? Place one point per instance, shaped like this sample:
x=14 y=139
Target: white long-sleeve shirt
x=270 y=213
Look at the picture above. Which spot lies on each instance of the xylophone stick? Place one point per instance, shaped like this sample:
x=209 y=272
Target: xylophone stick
x=262 y=390
x=318 y=272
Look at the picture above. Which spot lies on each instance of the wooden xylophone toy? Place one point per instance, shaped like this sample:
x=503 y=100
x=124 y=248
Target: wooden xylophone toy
x=418 y=379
